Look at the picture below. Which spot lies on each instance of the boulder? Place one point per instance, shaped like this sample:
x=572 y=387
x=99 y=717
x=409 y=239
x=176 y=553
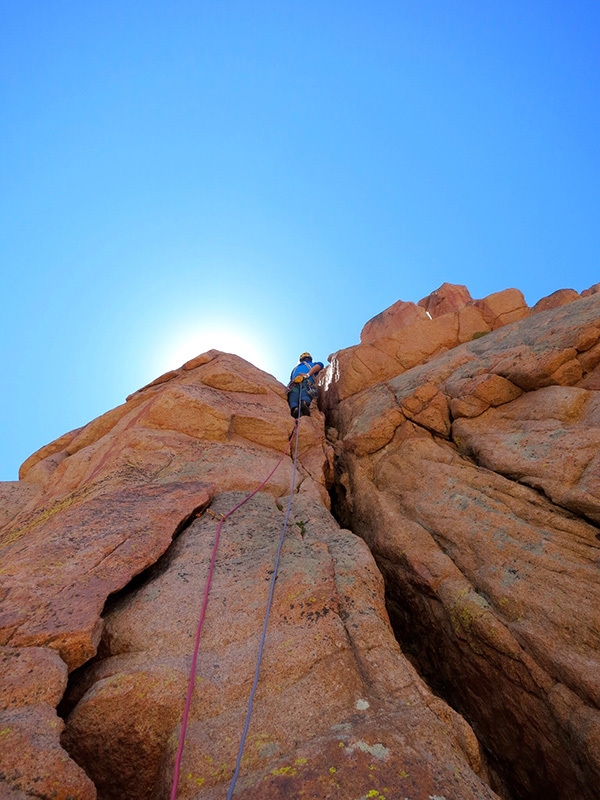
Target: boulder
x=447 y=299
x=405 y=336
x=400 y=315
x=32 y=762
x=559 y=298
x=595 y=289
x=502 y=308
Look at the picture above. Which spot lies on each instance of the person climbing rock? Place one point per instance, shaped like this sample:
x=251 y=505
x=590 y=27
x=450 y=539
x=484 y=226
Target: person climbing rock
x=301 y=388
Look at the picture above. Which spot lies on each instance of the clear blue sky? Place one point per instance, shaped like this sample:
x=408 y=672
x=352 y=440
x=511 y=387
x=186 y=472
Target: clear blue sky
x=266 y=176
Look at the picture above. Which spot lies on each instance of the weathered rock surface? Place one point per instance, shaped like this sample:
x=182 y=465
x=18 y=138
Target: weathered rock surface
x=117 y=511
x=32 y=762
x=473 y=478
x=338 y=710
x=407 y=334
x=107 y=504
x=467 y=438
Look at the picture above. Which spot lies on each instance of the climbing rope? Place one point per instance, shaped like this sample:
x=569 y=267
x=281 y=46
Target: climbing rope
x=266 y=622
x=190 y=692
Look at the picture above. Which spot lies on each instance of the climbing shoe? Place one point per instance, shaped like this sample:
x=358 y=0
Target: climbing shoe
x=304 y=409
x=294 y=412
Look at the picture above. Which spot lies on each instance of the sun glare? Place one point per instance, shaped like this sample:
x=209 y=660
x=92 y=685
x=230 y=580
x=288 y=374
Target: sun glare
x=188 y=344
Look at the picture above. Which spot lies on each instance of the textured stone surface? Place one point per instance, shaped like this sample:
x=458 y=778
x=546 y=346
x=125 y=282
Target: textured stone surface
x=14 y=496
x=448 y=298
x=338 y=709
x=110 y=506
x=406 y=335
x=89 y=561
x=492 y=582
x=32 y=762
x=559 y=298
x=548 y=439
x=400 y=315
x=466 y=435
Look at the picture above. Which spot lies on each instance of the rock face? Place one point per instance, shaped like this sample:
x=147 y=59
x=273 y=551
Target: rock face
x=108 y=499
x=338 y=709
x=407 y=334
x=474 y=479
x=463 y=448
x=105 y=546
x=32 y=762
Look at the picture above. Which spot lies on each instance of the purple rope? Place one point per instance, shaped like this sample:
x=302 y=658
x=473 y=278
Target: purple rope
x=266 y=622
x=190 y=692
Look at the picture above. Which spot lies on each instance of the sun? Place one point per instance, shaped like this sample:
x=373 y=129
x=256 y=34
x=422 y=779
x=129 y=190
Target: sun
x=187 y=344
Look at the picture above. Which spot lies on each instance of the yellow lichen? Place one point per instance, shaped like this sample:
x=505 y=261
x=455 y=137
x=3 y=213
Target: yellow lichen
x=289 y=771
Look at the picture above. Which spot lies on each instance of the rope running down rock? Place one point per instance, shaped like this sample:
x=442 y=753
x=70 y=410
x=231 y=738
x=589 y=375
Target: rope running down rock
x=190 y=692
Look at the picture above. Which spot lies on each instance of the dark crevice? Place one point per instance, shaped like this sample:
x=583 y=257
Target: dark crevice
x=75 y=687
x=410 y=634
x=518 y=767
x=142 y=577
x=415 y=636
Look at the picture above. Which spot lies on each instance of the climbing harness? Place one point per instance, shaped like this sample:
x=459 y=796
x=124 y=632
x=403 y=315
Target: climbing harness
x=222 y=518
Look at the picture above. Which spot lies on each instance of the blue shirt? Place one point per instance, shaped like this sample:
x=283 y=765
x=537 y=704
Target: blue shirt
x=303 y=368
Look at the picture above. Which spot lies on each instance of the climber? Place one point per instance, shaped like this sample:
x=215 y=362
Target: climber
x=301 y=388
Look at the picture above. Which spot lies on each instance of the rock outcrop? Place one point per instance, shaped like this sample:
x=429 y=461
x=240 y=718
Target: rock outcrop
x=474 y=477
x=408 y=334
x=105 y=543
x=463 y=448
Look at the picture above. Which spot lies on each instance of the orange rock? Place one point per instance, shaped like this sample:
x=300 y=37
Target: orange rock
x=502 y=308
x=58 y=446
x=491 y=578
x=400 y=315
x=337 y=705
x=595 y=289
x=14 y=496
x=450 y=297
x=530 y=370
x=61 y=563
x=32 y=762
x=466 y=462
x=400 y=338
x=556 y=299
x=124 y=485
x=370 y=420
x=549 y=439
x=471 y=324
x=428 y=407
x=476 y=395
